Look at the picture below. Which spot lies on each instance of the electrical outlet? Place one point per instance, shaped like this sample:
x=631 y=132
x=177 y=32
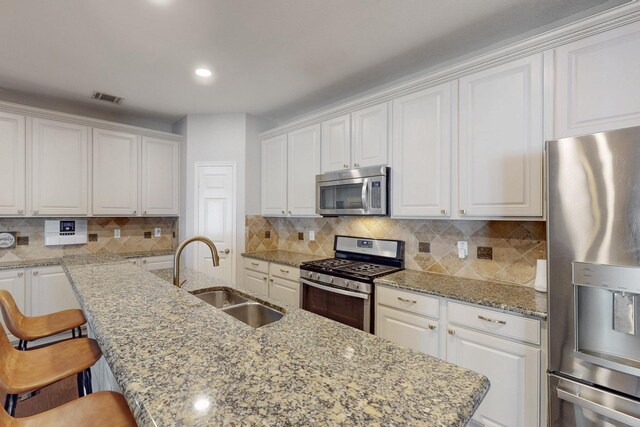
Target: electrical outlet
x=116 y=233
x=157 y=232
x=463 y=249
x=312 y=235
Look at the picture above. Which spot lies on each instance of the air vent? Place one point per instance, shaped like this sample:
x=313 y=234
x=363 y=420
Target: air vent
x=106 y=97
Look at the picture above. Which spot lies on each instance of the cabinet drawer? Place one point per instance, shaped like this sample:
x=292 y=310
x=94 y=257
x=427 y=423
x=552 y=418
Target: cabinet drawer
x=408 y=301
x=494 y=322
x=284 y=271
x=256 y=265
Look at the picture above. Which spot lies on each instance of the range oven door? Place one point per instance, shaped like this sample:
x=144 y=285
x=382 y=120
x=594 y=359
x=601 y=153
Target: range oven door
x=341 y=305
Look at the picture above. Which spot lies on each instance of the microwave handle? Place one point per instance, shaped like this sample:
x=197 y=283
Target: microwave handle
x=365 y=194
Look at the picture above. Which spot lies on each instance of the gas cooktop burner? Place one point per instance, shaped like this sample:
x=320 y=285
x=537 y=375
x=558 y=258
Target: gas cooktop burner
x=364 y=269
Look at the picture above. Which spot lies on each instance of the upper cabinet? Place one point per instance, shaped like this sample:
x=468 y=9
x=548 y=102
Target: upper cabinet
x=597 y=82
x=59 y=168
x=356 y=140
x=501 y=143
x=12 y=171
x=160 y=178
x=116 y=162
x=290 y=164
x=421 y=162
x=303 y=164
x=274 y=176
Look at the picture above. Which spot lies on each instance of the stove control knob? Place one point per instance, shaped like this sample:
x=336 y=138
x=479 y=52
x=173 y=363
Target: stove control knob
x=309 y=274
x=317 y=276
x=346 y=283
x=330 y=279
x=356 y=286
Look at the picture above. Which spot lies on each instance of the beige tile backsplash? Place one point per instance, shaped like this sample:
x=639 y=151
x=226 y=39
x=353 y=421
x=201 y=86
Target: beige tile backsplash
x=131 y=240
x=515 y=245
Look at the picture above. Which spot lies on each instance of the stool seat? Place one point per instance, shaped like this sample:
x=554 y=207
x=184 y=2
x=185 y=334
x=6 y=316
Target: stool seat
x=30 y=328
x=100 y=409
x=24 y=371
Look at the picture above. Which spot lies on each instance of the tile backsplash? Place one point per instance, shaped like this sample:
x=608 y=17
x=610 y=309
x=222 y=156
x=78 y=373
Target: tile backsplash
x=100 y=234
x=502 y=251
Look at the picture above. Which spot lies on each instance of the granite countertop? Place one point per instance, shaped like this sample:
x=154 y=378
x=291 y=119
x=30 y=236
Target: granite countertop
x=518 y=299
x=294 y=259
x=191 y=280
x=180 y=361
x=28 y=263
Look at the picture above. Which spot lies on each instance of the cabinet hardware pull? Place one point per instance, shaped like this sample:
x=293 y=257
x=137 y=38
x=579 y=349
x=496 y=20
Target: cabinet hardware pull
x=134 y=212
x=463 y=212
x=345 y=166
x=451 y=332
x=20 y=211
x=412 y=301
x=432 y=327
x=356 y=164
x=144 y=261
x=271 y=280
x=502 y=322
x=282 y=211
x=35 y=273
x=282 y=270
x=443 y=211
x=35 y=212
x=255 y=263
x=264 y=278
x=145 y=212
x=20 y=274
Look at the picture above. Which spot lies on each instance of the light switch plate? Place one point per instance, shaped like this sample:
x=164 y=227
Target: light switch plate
x=157 y=232
x=116 y=233
x=463 y=249
x=312 y=235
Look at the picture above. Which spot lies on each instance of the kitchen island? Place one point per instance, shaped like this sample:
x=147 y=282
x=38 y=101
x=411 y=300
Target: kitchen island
x=179 y=361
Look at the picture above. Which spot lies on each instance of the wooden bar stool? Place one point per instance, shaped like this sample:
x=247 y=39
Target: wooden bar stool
x=25 y=371
x=101 y=409
x=27 y=328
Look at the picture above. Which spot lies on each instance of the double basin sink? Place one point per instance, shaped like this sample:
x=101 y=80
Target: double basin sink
x=242 y=308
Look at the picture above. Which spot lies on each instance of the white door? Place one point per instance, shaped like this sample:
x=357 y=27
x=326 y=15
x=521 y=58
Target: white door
x=14 y=282
x=59 y=168
x=422 y=153
x=408 y=330
x=274 y=176
x=115 y=172
x=50 y=291
x=370 y=136
x=501 y=140
x=285 y=291
x=303 y=165
x=597 y=82
x=216 y=219
x=12 y=170
x=513 y=370
x=336 y=144
x=160 y=176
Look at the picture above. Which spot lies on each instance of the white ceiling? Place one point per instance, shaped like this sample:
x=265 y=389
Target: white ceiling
x=271 y=58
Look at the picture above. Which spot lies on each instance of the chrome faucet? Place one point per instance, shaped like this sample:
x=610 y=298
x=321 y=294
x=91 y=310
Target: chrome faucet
x=176 y=258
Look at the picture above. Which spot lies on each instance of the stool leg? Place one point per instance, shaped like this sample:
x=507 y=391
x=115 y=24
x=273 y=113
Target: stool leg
x=87 y=381
x=79 y=332
x=80 y=381
x=73 y=333
x=10 y=404
x=22 y=345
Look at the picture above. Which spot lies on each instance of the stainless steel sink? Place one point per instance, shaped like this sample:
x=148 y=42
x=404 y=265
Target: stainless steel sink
x=254 y=314
x=221 y=299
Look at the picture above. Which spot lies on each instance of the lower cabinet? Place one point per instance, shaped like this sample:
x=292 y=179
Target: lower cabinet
x=151 y=263
x=507 y=348
x=14 y=281
x=276 y=281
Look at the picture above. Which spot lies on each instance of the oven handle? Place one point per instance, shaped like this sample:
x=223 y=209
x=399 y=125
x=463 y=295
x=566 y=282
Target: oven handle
x=335 y=290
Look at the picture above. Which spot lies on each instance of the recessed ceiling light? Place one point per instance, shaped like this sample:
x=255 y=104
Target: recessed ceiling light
x=203 y=72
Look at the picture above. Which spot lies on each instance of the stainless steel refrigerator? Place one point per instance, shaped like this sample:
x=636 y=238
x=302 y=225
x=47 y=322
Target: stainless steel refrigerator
x=593 y=234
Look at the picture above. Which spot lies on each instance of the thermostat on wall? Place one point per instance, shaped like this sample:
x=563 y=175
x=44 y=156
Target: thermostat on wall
x=65 y=232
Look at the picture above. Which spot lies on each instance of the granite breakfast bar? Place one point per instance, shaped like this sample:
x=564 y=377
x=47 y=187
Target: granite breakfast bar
x=179 y=361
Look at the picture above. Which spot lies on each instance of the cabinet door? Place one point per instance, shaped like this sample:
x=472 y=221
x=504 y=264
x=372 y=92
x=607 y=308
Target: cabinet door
x=513 y=370
x=50 y=291
x=408 y=330
x=59 y=168
x=115 y=173
x=597 y=82
x=422 y=153
x=256 y=282
x=285 y=291
x=12 y=171
x=370 y=136
x=14 y=282
x=303 y=164
x=274 y=176
x=157 y=262
x=500 y=140
x=160 y=176
x=336 y=144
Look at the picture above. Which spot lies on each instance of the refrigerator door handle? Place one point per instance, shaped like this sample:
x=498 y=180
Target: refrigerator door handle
x=571 y=392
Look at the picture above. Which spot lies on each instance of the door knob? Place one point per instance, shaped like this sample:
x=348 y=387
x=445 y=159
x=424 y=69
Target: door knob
x=226 y=251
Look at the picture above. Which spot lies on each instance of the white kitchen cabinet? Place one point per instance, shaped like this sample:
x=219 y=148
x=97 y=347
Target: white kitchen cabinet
x=501 y=144
x=409 y=330
x=513 y=370
x=12 y=171
x=597 y=82
x=303 y=164
x=158 y=262
x=284 y=291
x=256 y=282
x=274 y=176
x=370 y=144
x=336 y=144
x=115 y=173
x=273 y=280
x=59 y=168
x=160 y=176
x=50 y=291
x=14 y=281
x=421 y=161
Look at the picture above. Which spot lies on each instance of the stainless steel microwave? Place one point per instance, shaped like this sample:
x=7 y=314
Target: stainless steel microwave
x=362 y=191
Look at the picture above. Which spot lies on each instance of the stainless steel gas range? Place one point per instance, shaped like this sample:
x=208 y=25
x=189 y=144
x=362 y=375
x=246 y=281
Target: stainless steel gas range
x=341 y=288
